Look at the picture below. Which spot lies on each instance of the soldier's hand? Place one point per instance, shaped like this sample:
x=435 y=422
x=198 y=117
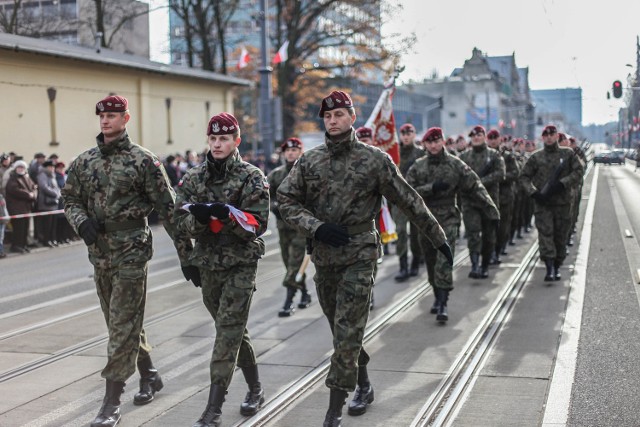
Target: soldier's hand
x=191 y=272
x=538 y=197
x=276 y=213
x=446 y=251
x=219 y=210
x=439 y=186
x=88 y=230
x=332 y=234
x=201 y=212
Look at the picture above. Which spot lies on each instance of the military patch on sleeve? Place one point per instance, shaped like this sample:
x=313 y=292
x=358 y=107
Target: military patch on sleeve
x=180 y=183
x=157 y=163
x=266 y=183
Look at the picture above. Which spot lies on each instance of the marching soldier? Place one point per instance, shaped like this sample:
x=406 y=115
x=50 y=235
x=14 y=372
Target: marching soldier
x=549 y=176
x=110 y=191
x=223 y=203
x=507 y=189
x=480 y=228
x=332 y=195
x=292 y=243
x=439 y=177
x=461 y=145
x=407 y=233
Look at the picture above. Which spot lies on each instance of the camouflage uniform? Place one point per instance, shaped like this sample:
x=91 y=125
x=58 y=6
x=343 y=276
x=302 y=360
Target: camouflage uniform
x=342 y=182
x=553 y=215
x=507 y=200
x=119 y=184
x=407 y=233
x=227 y=260
x=292 y=243
x=446 y=168
x=480 y=229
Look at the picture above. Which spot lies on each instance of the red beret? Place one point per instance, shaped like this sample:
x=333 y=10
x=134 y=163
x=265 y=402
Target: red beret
x=291 y=143
x=364 y=132
x=572 y=140
x=112 y=104
x=336 y=99
x=561 y=137
x=493 y=134
x=407 y=126
x=222 y=124
x=549 y=130
x=432 y=134
x=476 y=130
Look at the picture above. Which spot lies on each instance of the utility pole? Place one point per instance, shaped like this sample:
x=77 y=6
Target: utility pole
x=266 y=95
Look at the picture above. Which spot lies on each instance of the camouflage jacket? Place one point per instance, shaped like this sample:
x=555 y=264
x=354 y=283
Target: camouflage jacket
x=275 y=178
x=408 y=155
x=489 y=165
x=118 y=182
x=342 y=182
x=233 y=182
x=512 y=173
x=461 y=179
x=544 y=163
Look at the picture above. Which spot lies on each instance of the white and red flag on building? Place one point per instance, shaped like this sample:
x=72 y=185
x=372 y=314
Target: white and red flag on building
x=244 y=59
x=282 y=54
x=383 y=124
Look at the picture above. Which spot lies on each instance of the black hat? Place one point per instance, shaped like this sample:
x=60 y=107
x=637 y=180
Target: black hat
x=47 y=163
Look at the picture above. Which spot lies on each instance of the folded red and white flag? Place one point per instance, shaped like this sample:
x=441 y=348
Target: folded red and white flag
x=245 y=219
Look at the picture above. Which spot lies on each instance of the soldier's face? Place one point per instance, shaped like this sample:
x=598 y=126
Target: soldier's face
x=550 y=138
x=407 y=136
x=461 y=144
x=292 y=154
x=221 y=146
x=113 y=124
x=434 y=147
x=478 y=139
x=493 y=142
x=338 y=121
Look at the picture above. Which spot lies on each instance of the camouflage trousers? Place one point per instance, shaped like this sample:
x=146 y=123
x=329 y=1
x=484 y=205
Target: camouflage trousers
x=122 y=291
x=481 y=231
x=344 y=292
x=504 y=229
x=439 y=271
x=408 y=234
x=292 y=249
x=227 y=295
x=553 y=224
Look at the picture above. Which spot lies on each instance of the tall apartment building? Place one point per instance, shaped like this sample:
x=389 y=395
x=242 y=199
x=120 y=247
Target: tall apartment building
x=74 y=22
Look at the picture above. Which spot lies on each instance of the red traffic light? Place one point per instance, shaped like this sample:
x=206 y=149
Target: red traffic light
x=617 y=84
x=617 y=89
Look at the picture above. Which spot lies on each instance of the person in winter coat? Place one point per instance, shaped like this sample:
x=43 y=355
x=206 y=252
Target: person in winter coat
x=21 y=195
x=48 y=199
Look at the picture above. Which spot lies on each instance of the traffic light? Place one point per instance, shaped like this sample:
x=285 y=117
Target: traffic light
x=617 y=89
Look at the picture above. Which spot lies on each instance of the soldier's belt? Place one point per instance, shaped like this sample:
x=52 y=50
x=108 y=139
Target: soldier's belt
x=219 y=239
x=130 y=224
x=446 y=201
x=361 y=228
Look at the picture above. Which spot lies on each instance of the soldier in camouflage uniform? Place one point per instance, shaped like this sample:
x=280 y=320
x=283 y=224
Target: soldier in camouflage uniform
x=110 y=191
x=332 y=195
x=407 y=232
x=223 y=204
x=487 y=163
x=292 y=243
x=438 y=178
x=549 y=176
x=507 y=189
x=573 y=144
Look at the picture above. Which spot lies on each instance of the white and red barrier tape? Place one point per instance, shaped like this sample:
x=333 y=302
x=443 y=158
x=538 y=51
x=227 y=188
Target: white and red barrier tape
x=29 y=215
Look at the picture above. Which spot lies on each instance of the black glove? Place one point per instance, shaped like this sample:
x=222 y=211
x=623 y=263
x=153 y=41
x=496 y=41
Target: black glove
x=276 y=213
x=88 y=230
x=332 y=234
x=219 y=210
x=201 y=211
x=446 y=250
x=191 y=272
x=439 y=186
x=538 y=197
x=556 y=187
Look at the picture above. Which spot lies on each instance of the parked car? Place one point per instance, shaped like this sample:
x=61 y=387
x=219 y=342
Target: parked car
x=608 y=157
x=602 y=157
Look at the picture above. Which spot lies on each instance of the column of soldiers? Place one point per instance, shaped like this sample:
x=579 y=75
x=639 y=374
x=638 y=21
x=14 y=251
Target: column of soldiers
x=329 y=197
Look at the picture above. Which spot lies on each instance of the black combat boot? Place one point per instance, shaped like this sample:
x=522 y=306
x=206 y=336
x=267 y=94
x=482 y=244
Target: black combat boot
x=288 y=309
x=484 y=268
x=570 y=241
x=150 y=382
x=109 y=414
x=213 y=412
x=404 y=270
x=305 y=298
x=494 y=259
x=556 y=270
x=548 y=263
x=363 y=395
x=334 y=413
x=443 y=315
x=436 y=301
x=475 y=270
x=519 y=233
x=415 y=266
x=255 y=396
